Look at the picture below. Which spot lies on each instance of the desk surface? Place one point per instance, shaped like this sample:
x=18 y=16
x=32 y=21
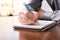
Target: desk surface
x=7 y=32
x=6 y=29
x=52 y=34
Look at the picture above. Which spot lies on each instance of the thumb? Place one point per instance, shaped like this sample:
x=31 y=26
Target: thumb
x=35 y=15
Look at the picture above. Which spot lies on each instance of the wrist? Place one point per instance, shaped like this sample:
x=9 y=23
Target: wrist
x=40 y=12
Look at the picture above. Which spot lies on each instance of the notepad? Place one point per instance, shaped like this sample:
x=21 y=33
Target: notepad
x=41 y=25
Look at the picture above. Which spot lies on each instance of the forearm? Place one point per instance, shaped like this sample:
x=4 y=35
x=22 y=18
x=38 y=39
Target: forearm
x=36 y=6
x=45 y=14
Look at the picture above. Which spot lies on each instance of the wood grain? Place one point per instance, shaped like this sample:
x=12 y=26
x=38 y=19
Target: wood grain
x=52 y=34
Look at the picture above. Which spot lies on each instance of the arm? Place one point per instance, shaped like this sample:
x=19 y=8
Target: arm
x=35 y=4
x=45 y=14
x=55 y=16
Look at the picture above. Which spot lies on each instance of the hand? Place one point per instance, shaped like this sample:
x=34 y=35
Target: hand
x=27 y=18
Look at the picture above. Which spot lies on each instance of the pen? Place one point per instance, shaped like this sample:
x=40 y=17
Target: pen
x=27 y=7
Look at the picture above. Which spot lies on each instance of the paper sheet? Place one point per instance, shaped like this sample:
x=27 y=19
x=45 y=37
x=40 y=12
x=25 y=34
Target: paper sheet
x=39 y=25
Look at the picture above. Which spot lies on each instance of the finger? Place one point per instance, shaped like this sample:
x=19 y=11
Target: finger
x=20 y=16
x=28 y=14
x=26 y=20
x=25 y=17
x=35 y=15
x=25 y=11
x=20 y=13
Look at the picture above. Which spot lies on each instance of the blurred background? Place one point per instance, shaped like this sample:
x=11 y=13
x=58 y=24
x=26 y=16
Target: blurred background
x=11 y=6
x=15 y=6
x=6 y=23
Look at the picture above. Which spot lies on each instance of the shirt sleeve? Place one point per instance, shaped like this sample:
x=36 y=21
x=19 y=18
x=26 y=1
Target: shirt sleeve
x=46 y=15
x=55 y=16
x=35 y=4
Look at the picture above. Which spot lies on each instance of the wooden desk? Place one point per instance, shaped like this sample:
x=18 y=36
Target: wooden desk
x=52 y=34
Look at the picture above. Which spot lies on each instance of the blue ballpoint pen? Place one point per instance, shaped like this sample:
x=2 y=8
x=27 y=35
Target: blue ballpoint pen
x=27 y=7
